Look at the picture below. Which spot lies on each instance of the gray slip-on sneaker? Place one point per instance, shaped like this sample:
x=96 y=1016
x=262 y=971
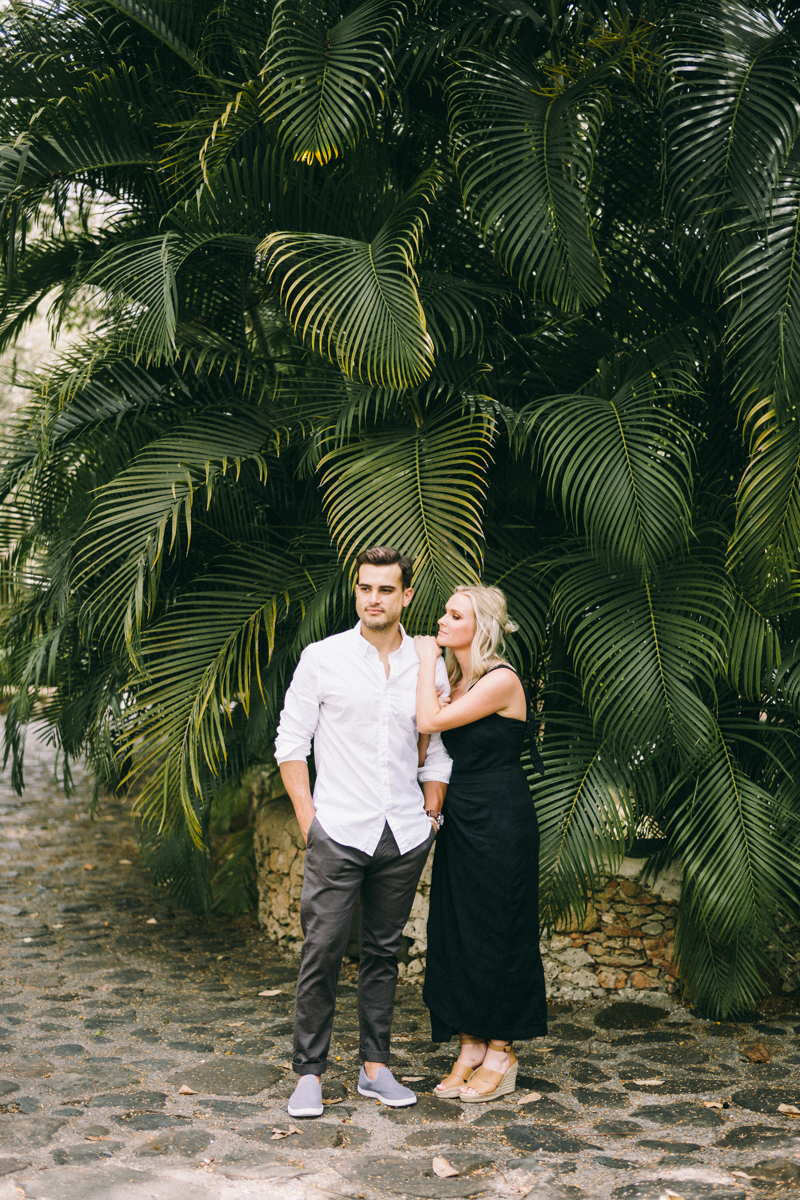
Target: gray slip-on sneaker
x=384 y=1087
x=306 y=1099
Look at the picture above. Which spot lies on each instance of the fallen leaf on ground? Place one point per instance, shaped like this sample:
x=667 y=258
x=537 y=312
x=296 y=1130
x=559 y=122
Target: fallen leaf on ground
x=185 y=1090
x=124 y=862
x=791 y=1110
x=235 y=1024
x=90 y=1137
x=713 y=1104
x=271 y=992
x=277 y=1134
x=151 y=921
x=530 y=1098
x=741 y=1175
x=756 y=1053
x=644 y=1081
x=411 y=1078
x=442 y=1168
x=89 y=867
x=339 y=1101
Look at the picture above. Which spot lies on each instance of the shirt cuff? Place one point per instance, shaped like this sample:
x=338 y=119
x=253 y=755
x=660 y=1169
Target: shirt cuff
x=297 y=753
x=434 y=774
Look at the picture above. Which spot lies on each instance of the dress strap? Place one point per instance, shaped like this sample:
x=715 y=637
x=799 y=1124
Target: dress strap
x=537 y=762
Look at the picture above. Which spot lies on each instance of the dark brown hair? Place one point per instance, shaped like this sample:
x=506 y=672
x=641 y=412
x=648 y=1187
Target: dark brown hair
x=385 y=556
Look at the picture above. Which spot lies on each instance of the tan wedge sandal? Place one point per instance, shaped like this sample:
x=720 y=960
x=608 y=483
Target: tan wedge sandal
x=460 y=1074
x=490 y=1085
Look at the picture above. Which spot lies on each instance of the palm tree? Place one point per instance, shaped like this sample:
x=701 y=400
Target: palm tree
x=509 y=285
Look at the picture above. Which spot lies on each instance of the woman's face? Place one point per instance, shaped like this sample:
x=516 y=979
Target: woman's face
x=457 y=626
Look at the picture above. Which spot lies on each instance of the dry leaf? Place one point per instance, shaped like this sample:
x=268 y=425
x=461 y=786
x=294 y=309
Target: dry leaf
x=89 y=867
x=790 y=1110
x=235 y=1024
x=411 y=1078
x=442 y=1168
x=89 y=1137
x=642 y=1082
x=757 y=1053
x=277 y=1134
x=124 y=862
x=271 y=992
x=185 y=1090
x=151 y=921
x=530 y=1098
x=339 y=1101
x=742 y=1175
x=713 y=1104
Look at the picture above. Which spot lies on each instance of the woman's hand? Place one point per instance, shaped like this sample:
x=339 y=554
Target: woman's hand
x=427 y=648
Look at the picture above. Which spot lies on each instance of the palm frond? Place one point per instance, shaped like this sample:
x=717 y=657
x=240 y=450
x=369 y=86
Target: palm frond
x=762 y=291
x=766 y=537
x=326 y=84
x=584 y=806
x=621 y=467
x=524 y=159
x=357 y=302
x=419 y=489
x=646 y=649
x=732 y=110
x=754 y=649
x=120 y=556
x=720 y=815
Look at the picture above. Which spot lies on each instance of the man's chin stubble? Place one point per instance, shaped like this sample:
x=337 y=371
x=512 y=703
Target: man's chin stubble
x=377 y=623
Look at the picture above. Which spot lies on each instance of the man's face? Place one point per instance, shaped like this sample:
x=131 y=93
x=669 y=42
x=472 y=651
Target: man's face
x=380 y=596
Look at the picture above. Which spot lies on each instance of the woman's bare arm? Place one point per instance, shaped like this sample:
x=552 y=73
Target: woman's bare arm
x=497 y=692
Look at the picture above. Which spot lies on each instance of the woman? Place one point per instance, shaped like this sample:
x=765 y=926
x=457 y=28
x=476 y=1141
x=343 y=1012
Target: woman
x=484 y=977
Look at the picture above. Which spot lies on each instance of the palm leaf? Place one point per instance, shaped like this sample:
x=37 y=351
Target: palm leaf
x=585 y=809
x=174 y=23
x=621 y=467
x=524 y=158
x=766 y=538
x=754 y=650
x=357 y=302
x=732 y=110
x=762 y=291
x=645 y=649
x=120 y=555
x=203 y=660
x=419 y=489
x=325 y=85
x=722 y=825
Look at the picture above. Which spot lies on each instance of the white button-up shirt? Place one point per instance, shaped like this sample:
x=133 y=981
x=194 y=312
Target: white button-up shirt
x=364 y=728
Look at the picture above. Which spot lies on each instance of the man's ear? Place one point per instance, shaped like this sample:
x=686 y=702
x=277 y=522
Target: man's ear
x=408 y=595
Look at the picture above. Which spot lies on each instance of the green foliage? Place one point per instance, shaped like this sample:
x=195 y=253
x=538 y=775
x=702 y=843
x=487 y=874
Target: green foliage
x=513 y=287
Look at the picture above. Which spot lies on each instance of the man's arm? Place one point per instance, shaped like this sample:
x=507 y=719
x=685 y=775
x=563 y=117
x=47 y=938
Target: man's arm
x=434 y=792
x=297 y=727
x=295 y=779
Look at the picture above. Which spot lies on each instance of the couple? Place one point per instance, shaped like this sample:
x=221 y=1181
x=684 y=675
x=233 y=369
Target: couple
x=386 y=716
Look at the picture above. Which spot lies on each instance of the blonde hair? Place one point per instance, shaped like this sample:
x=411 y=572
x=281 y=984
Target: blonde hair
x=491 y=626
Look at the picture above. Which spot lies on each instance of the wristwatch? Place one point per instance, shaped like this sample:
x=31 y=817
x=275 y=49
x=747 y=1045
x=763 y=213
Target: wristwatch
x=433 y=815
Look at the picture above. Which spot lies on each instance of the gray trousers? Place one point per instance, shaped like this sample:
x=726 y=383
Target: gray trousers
x=334 y=877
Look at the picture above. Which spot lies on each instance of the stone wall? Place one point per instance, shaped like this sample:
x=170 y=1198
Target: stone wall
x=624 y=945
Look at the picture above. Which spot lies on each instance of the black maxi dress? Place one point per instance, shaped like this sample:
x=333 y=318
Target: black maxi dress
x=484 y=971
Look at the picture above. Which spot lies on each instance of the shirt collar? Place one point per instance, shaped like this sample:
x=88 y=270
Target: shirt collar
x=365 y=647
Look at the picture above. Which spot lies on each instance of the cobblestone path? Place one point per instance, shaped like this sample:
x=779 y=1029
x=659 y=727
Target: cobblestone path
x=144 y=1055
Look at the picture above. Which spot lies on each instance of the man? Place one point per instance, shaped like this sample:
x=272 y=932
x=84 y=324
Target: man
x=368 y=828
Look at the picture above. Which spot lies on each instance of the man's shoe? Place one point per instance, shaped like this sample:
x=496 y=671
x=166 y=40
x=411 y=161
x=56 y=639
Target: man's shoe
x=384 y=1087
x=306 y=1099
